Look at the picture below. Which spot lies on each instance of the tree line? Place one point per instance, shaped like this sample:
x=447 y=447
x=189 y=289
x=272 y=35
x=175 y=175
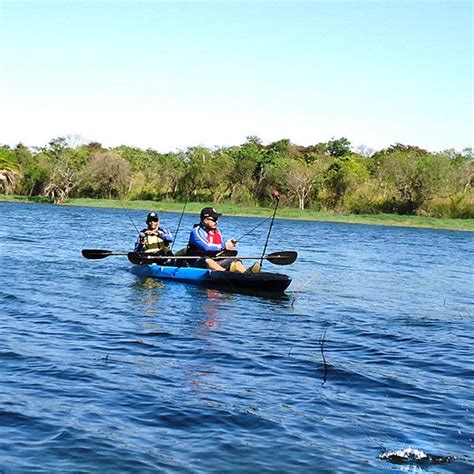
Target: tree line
x=329 y=176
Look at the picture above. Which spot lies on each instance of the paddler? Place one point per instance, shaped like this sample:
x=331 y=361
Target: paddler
x=154 y=239
x=206 y=241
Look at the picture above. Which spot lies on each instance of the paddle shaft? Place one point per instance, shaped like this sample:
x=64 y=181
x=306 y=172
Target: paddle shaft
x=277 y=258
x=282 y=258
x=96 y=254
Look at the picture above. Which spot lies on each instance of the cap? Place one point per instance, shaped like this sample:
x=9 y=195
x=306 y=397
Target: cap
x=153 y=216
x=210 y=212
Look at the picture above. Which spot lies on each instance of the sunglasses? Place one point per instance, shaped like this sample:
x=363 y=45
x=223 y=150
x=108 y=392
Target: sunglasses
x=153 y=220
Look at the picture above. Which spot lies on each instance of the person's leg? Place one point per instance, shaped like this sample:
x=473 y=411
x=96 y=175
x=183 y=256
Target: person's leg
x=255 y=268
x=237 y=266
x=232 y=264
x=213 y=265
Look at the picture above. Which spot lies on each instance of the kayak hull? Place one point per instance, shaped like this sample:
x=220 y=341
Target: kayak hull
x=255 y=282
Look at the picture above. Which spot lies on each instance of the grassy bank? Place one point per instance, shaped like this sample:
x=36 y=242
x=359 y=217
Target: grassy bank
x=237 y=210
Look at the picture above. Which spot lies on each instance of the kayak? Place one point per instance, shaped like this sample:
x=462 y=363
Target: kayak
x=175 y=267
x=253 y=282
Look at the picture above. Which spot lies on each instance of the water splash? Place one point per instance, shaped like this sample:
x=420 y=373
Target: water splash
x=413 y=455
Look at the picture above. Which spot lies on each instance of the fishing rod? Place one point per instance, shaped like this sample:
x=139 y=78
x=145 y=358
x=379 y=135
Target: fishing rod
x=128 y=215
x=253 y=228
x=276 y=194
x=179 y=225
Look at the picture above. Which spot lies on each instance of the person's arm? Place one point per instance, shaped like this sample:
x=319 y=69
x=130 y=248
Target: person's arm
x=166 y=235
x=230 y=244
x=140 y=241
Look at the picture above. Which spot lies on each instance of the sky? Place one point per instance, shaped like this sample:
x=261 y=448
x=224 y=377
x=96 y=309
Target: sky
x=170 y=75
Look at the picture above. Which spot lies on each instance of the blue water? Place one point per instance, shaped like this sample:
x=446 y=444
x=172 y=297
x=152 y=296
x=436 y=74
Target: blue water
x=370 y=351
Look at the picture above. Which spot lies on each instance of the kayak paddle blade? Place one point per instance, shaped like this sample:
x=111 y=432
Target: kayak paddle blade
x=95 y=254
x=282 y=258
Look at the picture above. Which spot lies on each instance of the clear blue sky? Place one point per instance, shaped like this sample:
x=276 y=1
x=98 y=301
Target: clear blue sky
x=168 y=75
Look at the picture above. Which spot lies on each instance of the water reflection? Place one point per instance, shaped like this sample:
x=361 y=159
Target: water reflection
x=147 y=291
x=210 y=310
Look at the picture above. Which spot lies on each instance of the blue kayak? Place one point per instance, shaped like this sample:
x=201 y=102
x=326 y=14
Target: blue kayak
x=255 y=282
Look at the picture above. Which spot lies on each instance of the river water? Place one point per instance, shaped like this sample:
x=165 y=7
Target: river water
x=370 y=352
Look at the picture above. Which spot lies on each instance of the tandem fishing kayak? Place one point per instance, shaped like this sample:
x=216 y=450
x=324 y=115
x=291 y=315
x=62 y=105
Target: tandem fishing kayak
x=262 y=281
x=176 y=268
x=267 y=282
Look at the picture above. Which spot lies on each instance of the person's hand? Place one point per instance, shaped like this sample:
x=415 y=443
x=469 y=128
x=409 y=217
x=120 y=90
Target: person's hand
x=230 y=244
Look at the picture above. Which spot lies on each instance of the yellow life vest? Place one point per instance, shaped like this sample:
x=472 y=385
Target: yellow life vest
x=153 y=243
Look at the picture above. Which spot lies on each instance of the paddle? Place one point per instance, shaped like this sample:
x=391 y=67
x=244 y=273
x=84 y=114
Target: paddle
x=96 y=254
x=277 y=258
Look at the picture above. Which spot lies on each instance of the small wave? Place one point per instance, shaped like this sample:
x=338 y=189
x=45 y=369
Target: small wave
x=413 y=455
x=155 y=334
x=9 y=297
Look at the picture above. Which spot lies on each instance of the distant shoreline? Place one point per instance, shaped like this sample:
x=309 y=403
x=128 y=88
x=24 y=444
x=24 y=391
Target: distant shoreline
x=254 y=211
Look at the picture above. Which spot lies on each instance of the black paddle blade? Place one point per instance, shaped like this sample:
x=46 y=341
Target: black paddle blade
x=135 y=258
x=282 y=258
x=95 y=254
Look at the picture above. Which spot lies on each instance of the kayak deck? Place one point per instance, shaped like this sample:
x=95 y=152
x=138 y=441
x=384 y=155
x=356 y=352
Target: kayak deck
x=259 y=282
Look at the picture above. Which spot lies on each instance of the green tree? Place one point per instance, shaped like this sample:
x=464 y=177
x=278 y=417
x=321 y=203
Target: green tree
x=219 y=178
x=410 y=177
x=108 y=175
x=301 y=180
x=193 y=180
x=339 y=148
x=160 y=179
x=139 y=159
x=342 y=177
x=64 y=173
x=457 y=186
x=242 y=182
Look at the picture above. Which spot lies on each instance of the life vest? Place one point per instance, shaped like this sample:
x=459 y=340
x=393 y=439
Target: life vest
x=214 y=237
x=153 y=243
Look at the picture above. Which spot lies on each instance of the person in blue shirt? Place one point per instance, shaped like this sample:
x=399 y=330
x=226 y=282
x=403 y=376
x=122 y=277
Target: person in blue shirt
x=206 y=241
x=154 y=239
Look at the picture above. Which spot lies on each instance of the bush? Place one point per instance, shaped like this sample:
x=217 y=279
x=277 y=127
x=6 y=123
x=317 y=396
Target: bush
x=243 y=196
x=462 y=208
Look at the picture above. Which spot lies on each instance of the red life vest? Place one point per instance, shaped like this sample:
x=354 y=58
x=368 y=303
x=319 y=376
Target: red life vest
x=214 y=237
